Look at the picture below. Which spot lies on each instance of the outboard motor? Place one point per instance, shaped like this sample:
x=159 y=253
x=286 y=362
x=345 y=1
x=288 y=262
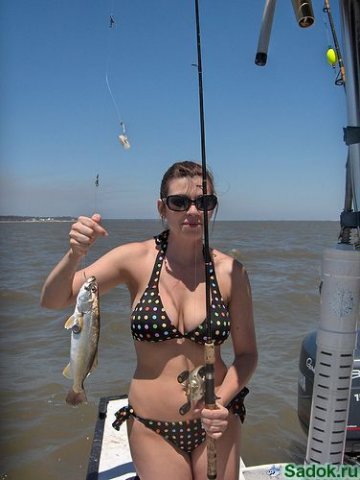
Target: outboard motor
x=305 y=389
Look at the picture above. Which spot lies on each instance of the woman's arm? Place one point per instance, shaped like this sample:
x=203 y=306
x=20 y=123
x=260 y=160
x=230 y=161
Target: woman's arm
x=244 y=343
x=63 y=283
x=242 y=334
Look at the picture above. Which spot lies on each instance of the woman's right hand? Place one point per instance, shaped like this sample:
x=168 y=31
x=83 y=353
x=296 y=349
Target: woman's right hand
x=84 y=232
x=63 y=282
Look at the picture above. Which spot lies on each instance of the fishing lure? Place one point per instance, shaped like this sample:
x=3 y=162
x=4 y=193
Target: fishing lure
x=124 y=141
x=123 y=137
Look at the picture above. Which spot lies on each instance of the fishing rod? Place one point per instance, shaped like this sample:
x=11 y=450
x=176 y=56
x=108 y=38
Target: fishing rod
x=341 y=77
x=210 y=398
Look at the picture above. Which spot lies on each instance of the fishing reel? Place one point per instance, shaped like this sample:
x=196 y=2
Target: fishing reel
x=194 y=386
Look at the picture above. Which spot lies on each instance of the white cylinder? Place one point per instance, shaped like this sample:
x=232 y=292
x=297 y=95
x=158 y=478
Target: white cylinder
x=340 y=292
x=336 y=339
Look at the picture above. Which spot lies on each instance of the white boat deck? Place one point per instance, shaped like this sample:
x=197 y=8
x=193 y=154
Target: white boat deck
x=110 y=458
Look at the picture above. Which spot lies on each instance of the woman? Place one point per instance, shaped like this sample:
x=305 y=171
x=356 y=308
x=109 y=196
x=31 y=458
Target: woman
x=166 y=281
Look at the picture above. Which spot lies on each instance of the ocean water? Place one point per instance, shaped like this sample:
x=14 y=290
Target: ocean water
x=43 y=438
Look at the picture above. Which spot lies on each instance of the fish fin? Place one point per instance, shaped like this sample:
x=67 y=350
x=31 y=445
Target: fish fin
x=80 y=320
x=67 y=372
x=74 y=320
x=75 y=398
x=69 y=322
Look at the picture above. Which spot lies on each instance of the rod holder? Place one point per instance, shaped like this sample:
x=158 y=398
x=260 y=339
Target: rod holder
x=303 y=12
x=336 y=340
x=265 y=32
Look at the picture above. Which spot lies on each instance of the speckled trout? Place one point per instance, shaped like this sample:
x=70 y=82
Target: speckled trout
x=85 y=330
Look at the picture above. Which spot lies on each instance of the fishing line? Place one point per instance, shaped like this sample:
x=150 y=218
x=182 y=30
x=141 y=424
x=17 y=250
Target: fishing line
x=328 y=34
x=97 y=183
x=112 y=26
x=94 y=189
x=330 y=51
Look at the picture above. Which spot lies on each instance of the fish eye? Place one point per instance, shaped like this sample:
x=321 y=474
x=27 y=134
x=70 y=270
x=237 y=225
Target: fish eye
x=76 y=328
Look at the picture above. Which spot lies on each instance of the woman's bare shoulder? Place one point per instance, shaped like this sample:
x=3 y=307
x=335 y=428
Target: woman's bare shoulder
x=132 y=252
x=226 y=264
x=123 y=264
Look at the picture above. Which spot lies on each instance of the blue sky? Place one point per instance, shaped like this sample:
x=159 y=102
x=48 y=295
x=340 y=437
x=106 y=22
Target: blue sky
x=274 y=134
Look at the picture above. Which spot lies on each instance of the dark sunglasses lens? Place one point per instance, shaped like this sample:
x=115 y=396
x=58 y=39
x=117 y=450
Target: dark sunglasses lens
x=180 y=203
x=206 y=202
x=177 y=203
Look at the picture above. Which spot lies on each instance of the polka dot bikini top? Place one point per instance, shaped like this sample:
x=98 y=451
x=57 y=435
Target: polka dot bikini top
x=150 y=323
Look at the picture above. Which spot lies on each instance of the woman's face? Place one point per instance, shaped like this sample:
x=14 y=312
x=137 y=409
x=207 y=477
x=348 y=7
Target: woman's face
x=191 y=220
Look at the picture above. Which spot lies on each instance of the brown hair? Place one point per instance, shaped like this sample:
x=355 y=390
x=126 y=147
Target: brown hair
x=184 y=169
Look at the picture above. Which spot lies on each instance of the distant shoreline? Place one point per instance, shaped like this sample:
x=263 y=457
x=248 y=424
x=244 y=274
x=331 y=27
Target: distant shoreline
x=25 y=219
x=36 y=221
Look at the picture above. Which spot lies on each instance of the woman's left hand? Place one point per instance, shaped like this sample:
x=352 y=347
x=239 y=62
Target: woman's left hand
x=215 y=421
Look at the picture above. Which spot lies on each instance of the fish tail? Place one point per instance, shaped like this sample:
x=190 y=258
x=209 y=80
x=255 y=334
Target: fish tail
x=75 y=398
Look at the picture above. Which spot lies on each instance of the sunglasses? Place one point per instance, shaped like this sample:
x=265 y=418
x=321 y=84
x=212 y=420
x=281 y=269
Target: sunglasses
x=182 y=203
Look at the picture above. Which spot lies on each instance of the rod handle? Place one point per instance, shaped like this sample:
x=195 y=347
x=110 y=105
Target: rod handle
x=210 y=403
x=211 y=458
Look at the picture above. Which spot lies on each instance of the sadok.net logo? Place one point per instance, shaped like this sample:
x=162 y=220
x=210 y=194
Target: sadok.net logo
x=315 y=472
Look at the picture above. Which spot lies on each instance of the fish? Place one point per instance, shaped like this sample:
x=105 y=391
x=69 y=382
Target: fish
x=84 y=324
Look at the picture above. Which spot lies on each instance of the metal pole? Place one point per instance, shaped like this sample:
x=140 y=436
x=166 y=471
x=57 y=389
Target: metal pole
x=350 y=16
x=303 y=12
x=265 y=32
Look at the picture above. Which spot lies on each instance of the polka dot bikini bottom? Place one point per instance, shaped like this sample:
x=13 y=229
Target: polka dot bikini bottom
x=185 y=435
